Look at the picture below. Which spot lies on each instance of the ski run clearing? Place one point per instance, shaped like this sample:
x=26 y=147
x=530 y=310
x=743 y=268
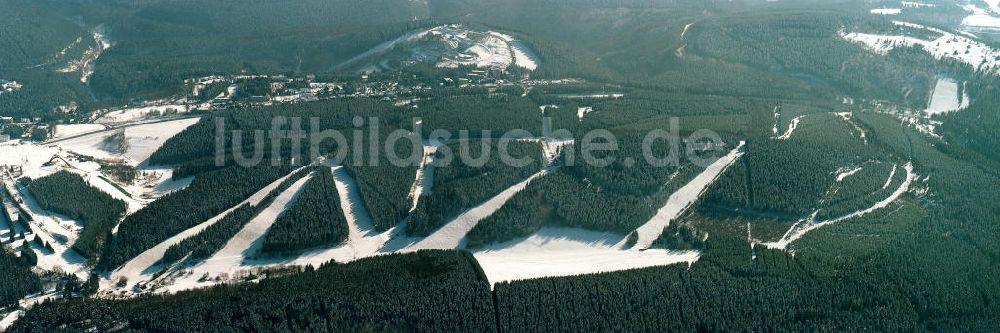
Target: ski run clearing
x=803 y=227
x=683 y=198
x=250 y=239
x=946 y=98
x=452 y=234
x=142 y=266
x=548 y=252
x=554 y=252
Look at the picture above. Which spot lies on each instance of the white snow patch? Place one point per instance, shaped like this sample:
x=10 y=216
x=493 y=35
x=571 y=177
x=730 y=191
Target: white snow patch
x=909 y=4
x=679 y=201
x=994 y=5
x=143 y=140
x=843 y=174
x=553 y=252
x=140 y=113
x=582 y=111
x=945 y=98
x=891 y=174
x=947 y=46
x=887 y=11
x=9 y=319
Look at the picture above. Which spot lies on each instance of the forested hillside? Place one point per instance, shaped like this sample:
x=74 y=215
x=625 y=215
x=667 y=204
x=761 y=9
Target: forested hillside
x=422 y=292
x=208 y=195
x=461 y=185
x=68 y=194
x=315 y=219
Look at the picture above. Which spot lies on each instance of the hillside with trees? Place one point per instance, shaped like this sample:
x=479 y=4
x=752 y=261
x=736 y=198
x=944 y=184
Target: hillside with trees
x=68 y=194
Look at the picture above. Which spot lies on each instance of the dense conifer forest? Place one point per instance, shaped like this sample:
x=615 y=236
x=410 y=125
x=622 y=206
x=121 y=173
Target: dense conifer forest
x=461 y=185
x=315 y=218
x=18 y=280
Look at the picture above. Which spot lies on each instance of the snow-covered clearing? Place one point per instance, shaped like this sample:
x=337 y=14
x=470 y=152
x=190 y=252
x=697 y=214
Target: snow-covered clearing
x=451 y=235
x=590 y=96
x=65 y=131
x=947 y=46
x=142 y=141
x=994 y=5
x=909 y=4
x=887 y=11
x=981 y=21
x=583 y=111
x=142 y=268
x=140 y=113
x=891 y=175
x=91 y=56
x=791 y=128
x=844 y=173
x=679 y=201
x=685 y=31
x=362 y=239
x=946 y=98
x=803 y=227
x=425 y=173
x=552 y=252
x=29 y=157
x=524 y=57
x=9 y=319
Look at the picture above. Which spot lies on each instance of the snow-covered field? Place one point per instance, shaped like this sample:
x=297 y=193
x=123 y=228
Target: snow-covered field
x=947 y=46
x=44 y=225
x=143 y=141
x=554 y=252
x=887 y=11
x=683 y=198
x=65 y=131
x=946 y=98
x=801 y=228
x=140 y=113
